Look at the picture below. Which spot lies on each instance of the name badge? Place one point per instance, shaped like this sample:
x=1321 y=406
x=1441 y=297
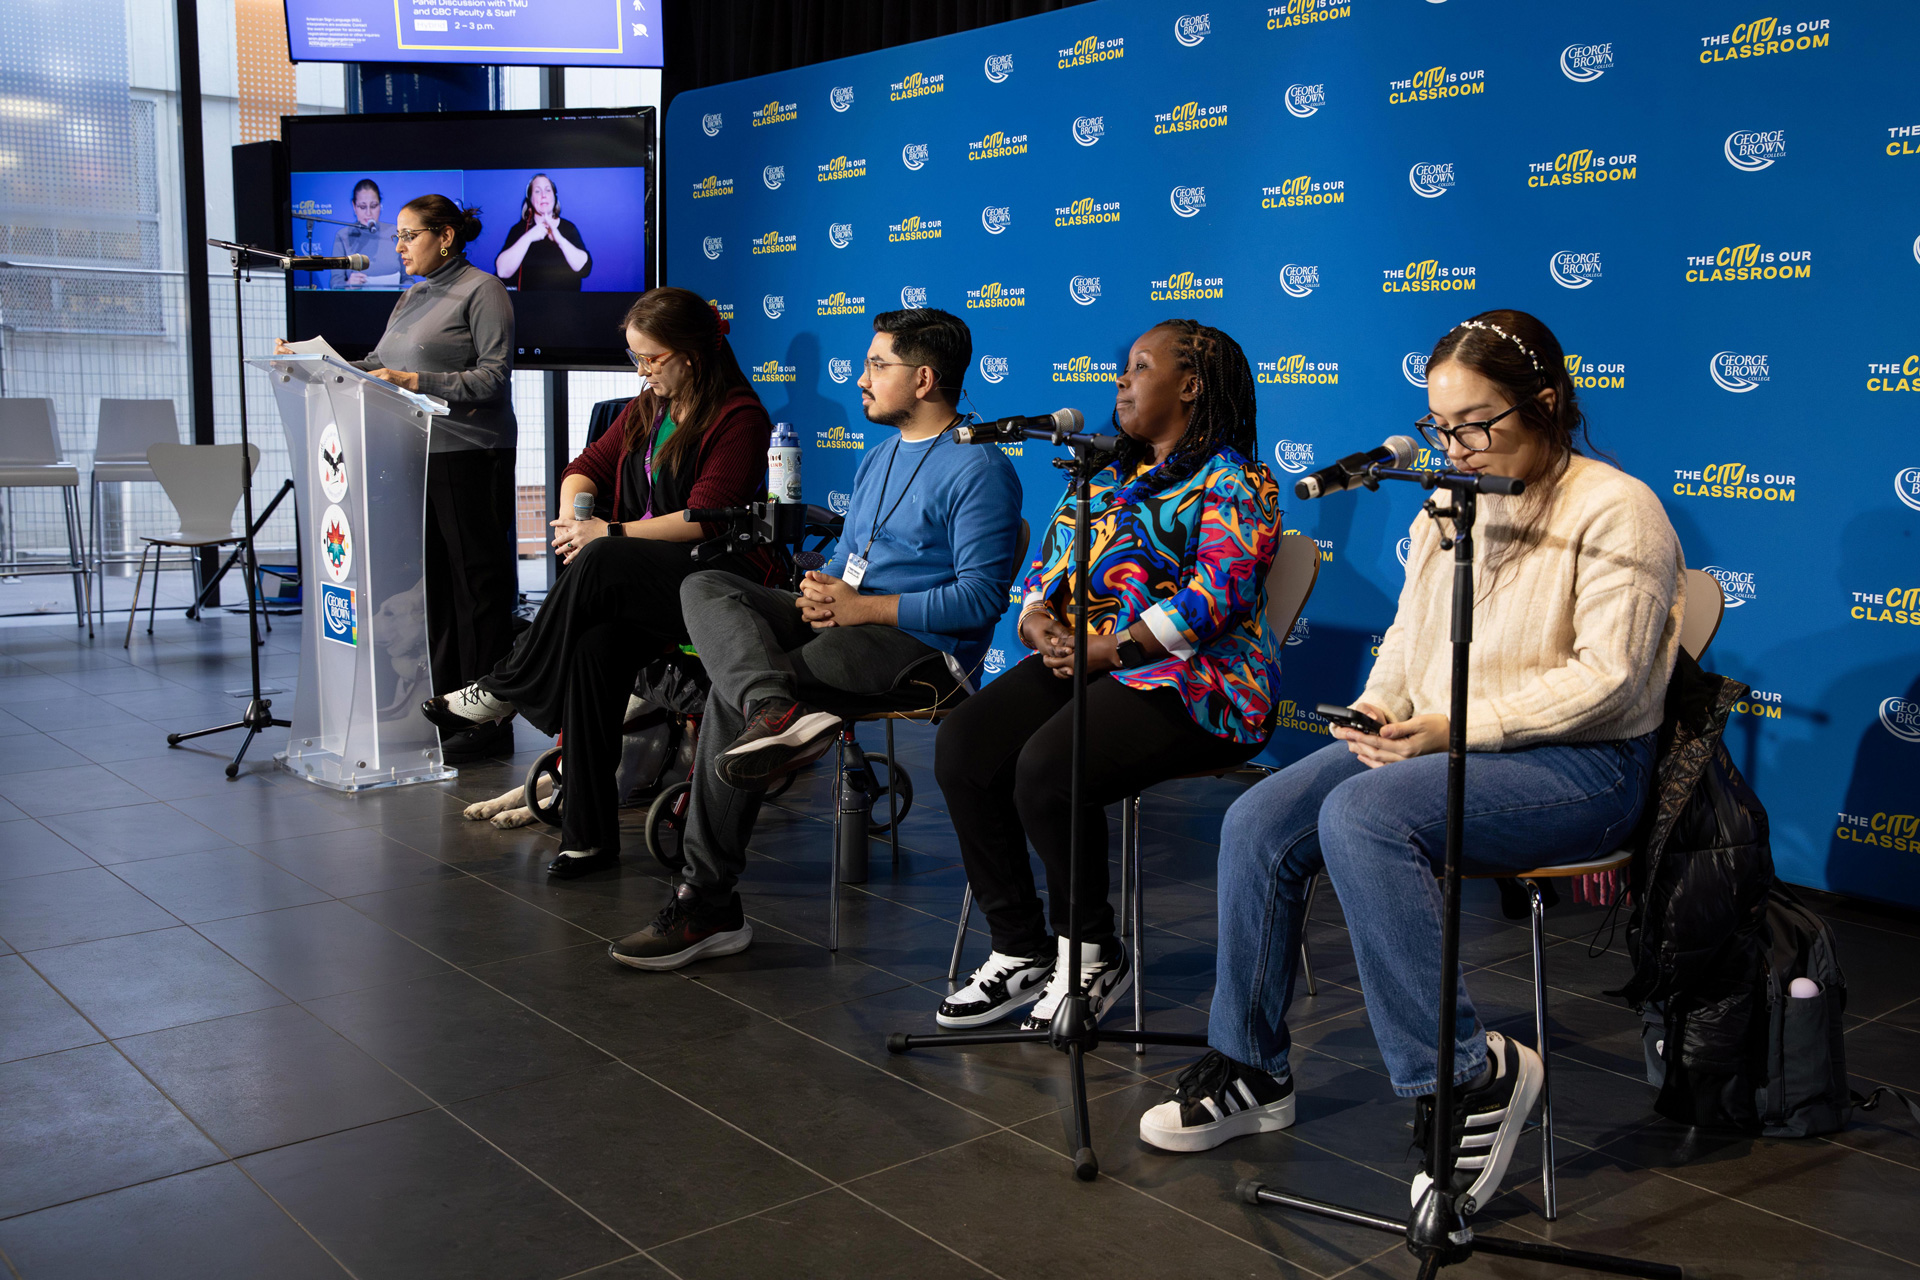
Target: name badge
x=856 y=571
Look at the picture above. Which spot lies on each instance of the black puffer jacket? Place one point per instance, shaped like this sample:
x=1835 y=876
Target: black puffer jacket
x=1700 y=886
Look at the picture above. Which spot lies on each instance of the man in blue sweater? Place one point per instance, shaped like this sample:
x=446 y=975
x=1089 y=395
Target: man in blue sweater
x=899 y=616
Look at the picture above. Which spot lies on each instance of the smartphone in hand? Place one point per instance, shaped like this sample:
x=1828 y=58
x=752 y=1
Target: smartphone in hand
x=1348 y=717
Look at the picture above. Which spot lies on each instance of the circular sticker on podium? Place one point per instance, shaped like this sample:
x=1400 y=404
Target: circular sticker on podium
x=333 y=464
x=336 y=544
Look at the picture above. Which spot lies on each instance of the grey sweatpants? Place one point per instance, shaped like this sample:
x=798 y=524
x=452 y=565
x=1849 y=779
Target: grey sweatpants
x=755 y=645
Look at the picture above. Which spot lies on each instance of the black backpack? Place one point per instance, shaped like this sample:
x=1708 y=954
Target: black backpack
x=1789 y=1078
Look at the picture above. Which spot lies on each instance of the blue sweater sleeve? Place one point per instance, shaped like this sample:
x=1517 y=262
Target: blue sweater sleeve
x=983 y=515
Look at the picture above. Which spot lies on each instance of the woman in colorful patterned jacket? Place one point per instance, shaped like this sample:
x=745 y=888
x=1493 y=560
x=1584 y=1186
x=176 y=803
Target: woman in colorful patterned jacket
x=1182 y=670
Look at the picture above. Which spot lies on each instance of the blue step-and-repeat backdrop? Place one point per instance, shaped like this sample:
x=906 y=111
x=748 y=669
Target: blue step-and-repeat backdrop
x=1716 y=206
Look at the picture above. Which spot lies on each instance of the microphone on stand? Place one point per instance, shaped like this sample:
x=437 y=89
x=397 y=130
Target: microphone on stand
x=1061 y=426
x=1398 y=451
x=352 y=262
x=1015 y=428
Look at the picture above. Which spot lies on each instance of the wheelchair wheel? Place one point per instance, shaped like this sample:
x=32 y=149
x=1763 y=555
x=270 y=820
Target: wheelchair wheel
x=667 y=825
x=881 y=768
x=546 y=766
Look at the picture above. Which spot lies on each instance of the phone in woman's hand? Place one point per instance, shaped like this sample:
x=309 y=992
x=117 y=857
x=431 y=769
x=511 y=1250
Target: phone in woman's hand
x=1359 y=721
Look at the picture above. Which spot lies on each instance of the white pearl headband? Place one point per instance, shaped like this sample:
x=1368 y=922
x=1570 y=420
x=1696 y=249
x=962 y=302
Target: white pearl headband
x=1494 y=328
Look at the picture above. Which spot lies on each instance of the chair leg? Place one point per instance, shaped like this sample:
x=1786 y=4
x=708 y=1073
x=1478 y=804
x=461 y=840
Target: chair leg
x=960 y=933
x=1550 y=1198
x=1136 y=908
x=1306 y=959
x=1126 y=869
x=893 y=798
x=153 y=596
x=77 y=560
x=833 y=855
x=98 y=546
x=133 y=610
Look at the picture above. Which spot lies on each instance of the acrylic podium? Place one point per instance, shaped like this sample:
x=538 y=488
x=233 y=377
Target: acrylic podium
x=358 y=449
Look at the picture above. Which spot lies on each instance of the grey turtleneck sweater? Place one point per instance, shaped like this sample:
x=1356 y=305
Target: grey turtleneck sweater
x=455 y=329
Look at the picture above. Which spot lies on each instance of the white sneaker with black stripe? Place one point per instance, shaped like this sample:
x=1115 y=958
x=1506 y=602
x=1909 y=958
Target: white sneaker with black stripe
x=997 y=988
x=1486 y=1124
x=1105 y=975
x=1215 y=1100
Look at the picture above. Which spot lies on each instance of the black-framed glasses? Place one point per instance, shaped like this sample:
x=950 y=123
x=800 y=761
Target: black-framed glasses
x=643 y=362
x=1473 y=436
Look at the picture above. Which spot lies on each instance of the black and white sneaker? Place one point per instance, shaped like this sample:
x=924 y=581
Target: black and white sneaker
x=1217 y=1099
x=686 y=930
x=466 y=707
x=1486 y=1124
x=997 y=988
x=1105 y=975
x=781 y=736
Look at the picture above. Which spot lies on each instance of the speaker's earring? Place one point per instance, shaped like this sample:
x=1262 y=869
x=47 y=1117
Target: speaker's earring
x=443 y=251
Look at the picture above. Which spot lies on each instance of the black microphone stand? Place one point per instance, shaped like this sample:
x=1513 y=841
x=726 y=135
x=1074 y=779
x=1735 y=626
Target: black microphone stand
x=1074 y=1031
x=259 y=713
x=1437 y=1233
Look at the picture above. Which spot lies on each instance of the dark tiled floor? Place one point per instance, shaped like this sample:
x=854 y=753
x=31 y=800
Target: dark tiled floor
x=251 y=1028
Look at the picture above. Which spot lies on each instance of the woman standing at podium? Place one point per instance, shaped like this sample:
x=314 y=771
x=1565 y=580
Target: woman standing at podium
x=451 y=336
x=694 y=438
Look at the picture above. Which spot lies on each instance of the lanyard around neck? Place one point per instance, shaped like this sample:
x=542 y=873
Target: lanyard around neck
x=874 y=533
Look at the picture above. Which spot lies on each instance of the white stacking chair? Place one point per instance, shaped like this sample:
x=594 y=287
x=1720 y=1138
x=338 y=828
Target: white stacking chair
x=203 y=483
x=127 y=428
x=30 y=459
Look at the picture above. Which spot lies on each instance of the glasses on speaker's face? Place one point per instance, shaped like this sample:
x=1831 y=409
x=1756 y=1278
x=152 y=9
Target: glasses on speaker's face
x=644 y=361
x=1473 y=436
x=406 y=237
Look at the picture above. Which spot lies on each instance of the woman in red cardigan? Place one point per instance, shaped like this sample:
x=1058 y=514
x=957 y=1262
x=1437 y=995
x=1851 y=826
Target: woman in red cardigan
x=695 y=437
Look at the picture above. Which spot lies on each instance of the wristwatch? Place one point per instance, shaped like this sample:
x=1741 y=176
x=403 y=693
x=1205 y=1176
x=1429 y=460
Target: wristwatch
x=616 y=530
x=1130 y=652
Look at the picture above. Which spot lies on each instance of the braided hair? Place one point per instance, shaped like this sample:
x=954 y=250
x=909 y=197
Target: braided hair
x=1223 y=411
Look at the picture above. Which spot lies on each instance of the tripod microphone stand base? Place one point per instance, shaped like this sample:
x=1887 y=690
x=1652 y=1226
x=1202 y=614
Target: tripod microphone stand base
x=1457 y=1250
x=257 y=719
x=1075 y=1033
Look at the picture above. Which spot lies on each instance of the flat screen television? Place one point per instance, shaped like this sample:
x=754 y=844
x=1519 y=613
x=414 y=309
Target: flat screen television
x=349 y=175
x=539 y=33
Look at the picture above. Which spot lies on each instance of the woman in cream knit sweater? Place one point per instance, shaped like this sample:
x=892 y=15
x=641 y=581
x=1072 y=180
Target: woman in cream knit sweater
x=1577 y=618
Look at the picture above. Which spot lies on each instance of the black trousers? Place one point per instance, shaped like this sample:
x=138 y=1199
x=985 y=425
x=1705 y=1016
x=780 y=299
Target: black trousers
x=616 y=608
x=1004 y=761
x=473 y=579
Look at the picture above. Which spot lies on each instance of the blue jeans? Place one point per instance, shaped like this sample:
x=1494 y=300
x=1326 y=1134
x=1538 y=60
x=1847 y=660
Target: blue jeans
x=1380 y=834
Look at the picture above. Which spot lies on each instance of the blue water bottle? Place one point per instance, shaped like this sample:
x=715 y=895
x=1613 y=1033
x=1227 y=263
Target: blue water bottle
x=783 y=464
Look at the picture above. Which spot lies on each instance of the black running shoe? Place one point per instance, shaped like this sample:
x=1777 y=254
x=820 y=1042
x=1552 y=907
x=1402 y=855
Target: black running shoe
x=1217 y=1099
x=1486 y=1124
x=686 y=930
x=488 y=740
x=781 y=736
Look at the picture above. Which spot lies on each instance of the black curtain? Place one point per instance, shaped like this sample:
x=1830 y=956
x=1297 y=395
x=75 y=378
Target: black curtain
x=712 y=41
